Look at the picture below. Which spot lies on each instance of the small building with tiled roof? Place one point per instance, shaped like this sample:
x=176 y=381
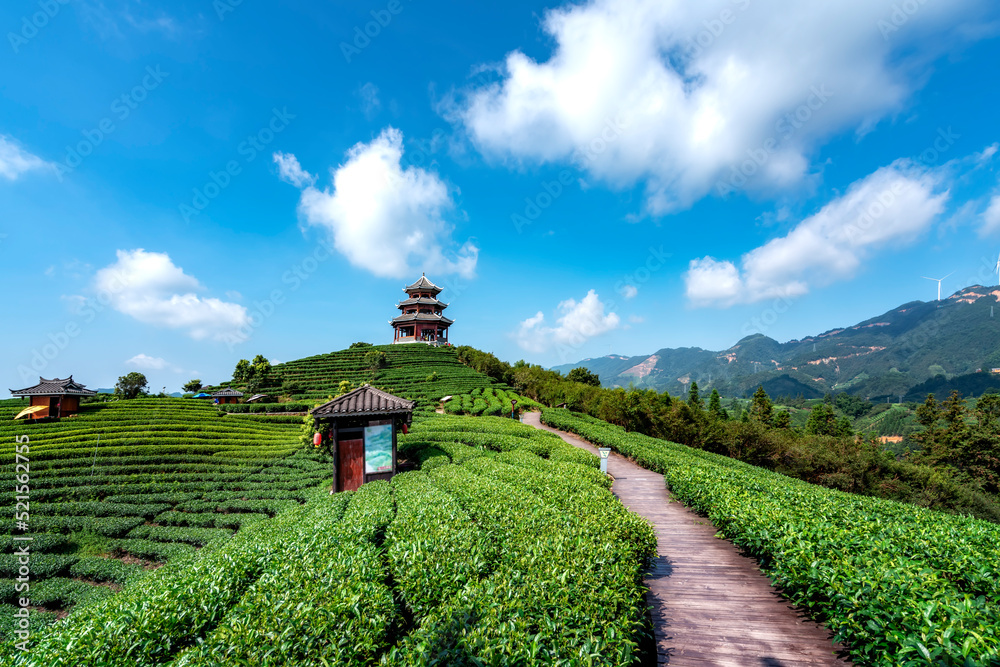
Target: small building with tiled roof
x=421 y=318
x=224 y=396
x=54 y=398
x=360 y=428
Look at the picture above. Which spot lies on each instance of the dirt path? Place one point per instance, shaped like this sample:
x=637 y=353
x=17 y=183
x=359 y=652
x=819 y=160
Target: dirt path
x=709 y=604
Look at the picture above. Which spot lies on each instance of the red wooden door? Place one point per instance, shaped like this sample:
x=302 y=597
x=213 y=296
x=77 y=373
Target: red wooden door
x=350 y=464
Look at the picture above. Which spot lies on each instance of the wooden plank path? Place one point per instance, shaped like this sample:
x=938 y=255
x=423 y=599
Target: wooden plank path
x=710 y=605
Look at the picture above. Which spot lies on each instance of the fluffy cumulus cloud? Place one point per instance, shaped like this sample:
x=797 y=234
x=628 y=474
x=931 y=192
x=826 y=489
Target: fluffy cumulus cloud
x=888 y=208
x=384 y=218
x=698 y=97
x=15 y=161
x=577 y=322
x=150 y=288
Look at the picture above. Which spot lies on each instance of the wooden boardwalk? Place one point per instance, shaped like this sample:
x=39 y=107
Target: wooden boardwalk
x=709 y=604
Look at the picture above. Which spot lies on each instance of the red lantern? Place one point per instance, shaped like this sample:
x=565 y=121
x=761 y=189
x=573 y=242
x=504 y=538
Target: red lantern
x=405 y=430
x=318 y=439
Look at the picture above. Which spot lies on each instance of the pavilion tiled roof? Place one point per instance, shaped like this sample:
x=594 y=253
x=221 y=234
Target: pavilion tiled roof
x=225 y=393
x=55 y=387
x=421 y=317
x=422 y=285
x=364 y=401
x=421 y=301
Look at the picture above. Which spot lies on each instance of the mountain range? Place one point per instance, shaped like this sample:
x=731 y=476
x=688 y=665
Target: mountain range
x=883 y=358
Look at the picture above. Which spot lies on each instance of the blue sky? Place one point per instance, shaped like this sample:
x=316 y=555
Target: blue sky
x=185 y=184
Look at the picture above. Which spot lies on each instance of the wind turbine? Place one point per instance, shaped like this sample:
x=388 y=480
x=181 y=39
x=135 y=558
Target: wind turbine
x=940 y=279
x=997 y=269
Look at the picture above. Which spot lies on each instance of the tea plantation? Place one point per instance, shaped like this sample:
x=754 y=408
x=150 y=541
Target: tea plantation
x=124 y=486
x=417 y=372
x=506 y=547
x=900 y=585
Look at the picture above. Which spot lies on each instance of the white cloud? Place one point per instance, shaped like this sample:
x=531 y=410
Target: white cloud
x=290 y=171
x=636 y=319
x=892 y=206
x=15 y=161
x=147 y=362
x=577 y=323
x=370 y=103
x=679 y=94
x=991 y=218
x=150 y=288
x=386 y=219
x=629 y=291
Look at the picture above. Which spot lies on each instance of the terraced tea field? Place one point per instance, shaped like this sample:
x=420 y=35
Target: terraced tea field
x=898 y=584
x=489 y=402
x=506 y=547
x=407 y=374
x=125 y=486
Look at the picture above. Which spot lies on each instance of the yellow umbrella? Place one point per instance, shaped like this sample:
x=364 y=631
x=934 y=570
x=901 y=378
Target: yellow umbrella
x=34 y=409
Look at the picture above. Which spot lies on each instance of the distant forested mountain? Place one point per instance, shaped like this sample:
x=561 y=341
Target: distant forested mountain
x=886 y=357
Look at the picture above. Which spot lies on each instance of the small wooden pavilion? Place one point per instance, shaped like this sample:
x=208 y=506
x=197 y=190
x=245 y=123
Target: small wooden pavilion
x=361 y=428
x=53 y=398
x=225 y=396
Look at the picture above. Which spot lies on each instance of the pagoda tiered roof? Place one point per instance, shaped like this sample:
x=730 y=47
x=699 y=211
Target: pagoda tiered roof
x=421 y=317
x=423 y=285
x=421 y=301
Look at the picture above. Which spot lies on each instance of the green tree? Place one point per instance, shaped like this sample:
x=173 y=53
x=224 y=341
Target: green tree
x=584 y=376
x=131 y=385
x=694 y=400
x=242 y=371
x=715 y=405
x=761 y=408
x=192 y=386
x=782 y=419
x=822 y=420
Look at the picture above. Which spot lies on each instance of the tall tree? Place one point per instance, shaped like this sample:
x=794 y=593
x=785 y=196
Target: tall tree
x=715 y=404
x=192 y=386
x=131 y=385
x=694 y=400
x=761 y=408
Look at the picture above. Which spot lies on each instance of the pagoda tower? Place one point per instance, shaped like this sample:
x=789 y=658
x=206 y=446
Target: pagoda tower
x=421 y=318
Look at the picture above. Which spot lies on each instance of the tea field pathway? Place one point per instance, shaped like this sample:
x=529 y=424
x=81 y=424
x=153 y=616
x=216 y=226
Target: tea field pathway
x=709 y=604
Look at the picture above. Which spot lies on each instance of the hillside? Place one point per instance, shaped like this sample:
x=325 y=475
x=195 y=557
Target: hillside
x=122 y=487
x=417 y=372
x=884 y=357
